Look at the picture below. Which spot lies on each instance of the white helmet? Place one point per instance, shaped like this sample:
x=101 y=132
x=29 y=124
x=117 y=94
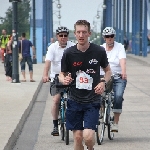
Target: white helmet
x=108 y=31
x=62 y=29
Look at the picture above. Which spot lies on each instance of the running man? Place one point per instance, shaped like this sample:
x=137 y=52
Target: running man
x=80 y=67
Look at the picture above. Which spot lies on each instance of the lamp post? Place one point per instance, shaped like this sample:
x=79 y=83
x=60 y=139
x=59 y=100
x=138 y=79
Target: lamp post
x=34 y=31
x=15 y=65
x=58 y=5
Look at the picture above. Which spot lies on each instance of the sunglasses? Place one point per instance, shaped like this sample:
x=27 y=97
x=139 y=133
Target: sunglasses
x=109 y=36
x=63 y=35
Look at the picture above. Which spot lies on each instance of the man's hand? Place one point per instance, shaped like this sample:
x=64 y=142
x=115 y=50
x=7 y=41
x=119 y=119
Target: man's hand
x=100 y=88
x=34 y=56
x=45 y=79
x=67 y=79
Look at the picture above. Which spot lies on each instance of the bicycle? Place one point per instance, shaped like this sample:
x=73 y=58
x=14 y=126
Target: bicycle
x=106 y=115
x=62 y=117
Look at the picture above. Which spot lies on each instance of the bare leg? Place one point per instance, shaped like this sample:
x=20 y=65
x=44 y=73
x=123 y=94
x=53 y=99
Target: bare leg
x=31 y=75
x=116 y=118
x=89 y=138
x=24 y=76
x=55 y=106
x=78 y=139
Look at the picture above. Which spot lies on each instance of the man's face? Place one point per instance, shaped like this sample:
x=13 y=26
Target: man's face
x=62 y=38
x=82 y=33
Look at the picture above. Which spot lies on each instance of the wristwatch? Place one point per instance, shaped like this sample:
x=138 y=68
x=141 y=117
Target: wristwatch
x=103 y=80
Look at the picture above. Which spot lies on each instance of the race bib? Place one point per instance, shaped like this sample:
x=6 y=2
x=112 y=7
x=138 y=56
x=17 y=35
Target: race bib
x=83 y=81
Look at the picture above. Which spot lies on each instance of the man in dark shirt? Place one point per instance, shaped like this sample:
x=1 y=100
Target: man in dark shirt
x=24 y=48
x=80 y=67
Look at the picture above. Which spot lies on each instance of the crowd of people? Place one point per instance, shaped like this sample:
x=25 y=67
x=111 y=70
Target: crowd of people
x=23 y=47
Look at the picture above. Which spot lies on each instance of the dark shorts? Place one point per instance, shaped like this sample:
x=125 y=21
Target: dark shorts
x=53 y=89
x=82 y=116
x=27 y=59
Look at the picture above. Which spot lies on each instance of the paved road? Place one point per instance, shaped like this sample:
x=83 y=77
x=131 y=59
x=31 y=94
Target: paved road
x=134 y=129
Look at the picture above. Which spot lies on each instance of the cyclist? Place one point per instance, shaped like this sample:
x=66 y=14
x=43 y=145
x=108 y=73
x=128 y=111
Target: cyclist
x=80 y=66
x=4 y=38
x=117 y=59
x=53 y=62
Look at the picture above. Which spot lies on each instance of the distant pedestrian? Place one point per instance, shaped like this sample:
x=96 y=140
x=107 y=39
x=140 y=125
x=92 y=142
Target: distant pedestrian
x=126 y=43
x=8 y=61
x=4 y=38
x=148 y=43
x=24 y=49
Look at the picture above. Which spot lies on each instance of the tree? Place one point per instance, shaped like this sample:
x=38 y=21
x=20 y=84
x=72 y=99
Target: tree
x=23 y=18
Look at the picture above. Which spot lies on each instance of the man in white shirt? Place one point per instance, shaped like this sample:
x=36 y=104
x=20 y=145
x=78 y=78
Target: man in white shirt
x=53 y=62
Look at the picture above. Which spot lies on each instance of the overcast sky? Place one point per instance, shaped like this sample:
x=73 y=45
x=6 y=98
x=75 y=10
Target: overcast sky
x=71 y=11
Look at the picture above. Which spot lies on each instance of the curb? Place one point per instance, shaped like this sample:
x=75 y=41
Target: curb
x=14 y=136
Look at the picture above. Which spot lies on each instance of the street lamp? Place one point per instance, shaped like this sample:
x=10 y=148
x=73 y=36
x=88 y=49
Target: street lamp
x=57 y=12
x=58 y=4
x=58 y=16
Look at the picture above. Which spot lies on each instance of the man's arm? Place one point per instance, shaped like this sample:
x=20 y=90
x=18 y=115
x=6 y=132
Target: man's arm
x=46 y=70
x=33 y=50
x=108 y=73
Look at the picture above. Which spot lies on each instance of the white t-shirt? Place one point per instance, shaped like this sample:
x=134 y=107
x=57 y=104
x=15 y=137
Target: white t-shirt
x=117 y=53
x=54 y=54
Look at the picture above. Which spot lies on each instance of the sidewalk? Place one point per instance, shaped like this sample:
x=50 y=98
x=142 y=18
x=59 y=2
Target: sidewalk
x=17 y=99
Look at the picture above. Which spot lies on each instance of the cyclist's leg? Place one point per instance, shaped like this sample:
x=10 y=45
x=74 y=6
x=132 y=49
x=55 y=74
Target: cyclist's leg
x=91 y=117
x=55 y=93
x=118 y=88
x=56 y=100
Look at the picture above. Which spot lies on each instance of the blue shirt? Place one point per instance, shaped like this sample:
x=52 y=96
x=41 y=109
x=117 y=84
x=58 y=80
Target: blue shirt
x=26 y=44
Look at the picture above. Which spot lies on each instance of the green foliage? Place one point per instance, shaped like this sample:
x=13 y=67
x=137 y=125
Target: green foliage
x=23 y=18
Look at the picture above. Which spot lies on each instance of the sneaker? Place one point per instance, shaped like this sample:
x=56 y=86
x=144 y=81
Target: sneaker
x=114 y=128
x=55 y=132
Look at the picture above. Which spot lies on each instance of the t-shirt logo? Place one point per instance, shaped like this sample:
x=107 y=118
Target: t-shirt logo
x=93 y=61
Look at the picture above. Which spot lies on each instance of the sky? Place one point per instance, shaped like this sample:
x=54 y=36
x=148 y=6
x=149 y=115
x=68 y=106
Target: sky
x=71 y=11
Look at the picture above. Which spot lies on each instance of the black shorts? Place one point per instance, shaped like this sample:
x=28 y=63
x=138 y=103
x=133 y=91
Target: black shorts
x=53 y=89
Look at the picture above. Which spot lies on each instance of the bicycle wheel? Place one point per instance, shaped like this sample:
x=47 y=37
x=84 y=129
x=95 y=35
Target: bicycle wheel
x=110 y=119
x=101 y=127
x=62 y=131
x=67 y=137
x=100 y=132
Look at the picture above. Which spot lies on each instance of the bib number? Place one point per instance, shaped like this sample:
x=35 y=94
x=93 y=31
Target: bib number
x=83 y=81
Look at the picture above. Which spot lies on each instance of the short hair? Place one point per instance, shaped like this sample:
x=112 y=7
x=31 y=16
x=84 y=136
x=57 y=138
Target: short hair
x=83 y=22
x=23 y=34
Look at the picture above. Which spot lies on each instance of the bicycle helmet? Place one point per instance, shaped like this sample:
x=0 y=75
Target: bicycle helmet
x=108 y=31
x=62 y=29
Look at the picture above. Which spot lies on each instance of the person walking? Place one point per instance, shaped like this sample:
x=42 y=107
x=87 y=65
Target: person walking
x=148 y=43
x=126 y=43
x=80 y=67
x=24 y=49
x=4 y=38
x=8 y=60
x=53 y=63
x=117 y=59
